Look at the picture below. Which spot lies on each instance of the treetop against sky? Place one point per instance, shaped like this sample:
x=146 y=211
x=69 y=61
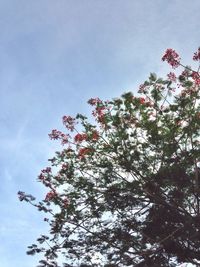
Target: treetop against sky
x=126 y=187
x=55 y=55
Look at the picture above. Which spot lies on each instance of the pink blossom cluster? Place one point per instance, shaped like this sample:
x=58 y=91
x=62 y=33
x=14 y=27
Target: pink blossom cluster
x=188 y=91
x=172 y=76
x=99 y=113
x=44 y=176
x=55 y=135
x=196 y=56
x=50 y=195
x=196 y=77
x=69 y=122
x=172 y=57
x=94 y=101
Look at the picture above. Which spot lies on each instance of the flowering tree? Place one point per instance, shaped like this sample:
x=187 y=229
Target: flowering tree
x=125 y=191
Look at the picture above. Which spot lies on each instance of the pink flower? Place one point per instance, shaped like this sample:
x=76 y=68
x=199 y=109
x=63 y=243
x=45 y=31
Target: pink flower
x=50 y=195
x=65 y=139
x=55 y=134
x=94 y=101
x=196 y=77
x=172 y=58
x=196 y=56
x=69 y=122
x=171 y=76
x=99 y=113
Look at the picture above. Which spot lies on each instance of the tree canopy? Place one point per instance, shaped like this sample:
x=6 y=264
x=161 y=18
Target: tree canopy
x=125 y=191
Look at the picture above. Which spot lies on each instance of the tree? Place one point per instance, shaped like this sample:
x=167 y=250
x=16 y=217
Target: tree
x=125 y=191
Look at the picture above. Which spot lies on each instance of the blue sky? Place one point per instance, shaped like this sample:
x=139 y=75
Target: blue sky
x=55 y=55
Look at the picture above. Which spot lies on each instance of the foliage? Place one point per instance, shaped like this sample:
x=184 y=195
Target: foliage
x=124 y=191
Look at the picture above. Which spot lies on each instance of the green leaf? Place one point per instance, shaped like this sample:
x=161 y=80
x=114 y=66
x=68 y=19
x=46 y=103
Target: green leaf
x=153 y=77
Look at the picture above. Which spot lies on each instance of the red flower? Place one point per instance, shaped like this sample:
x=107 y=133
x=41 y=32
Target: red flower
x=80 y=137
x=99 y=113
x=84 y=151
x=95 y=136
x=142 y=100
x=172 y=58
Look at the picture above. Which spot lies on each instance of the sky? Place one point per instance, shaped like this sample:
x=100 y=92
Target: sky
x=55 y=55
